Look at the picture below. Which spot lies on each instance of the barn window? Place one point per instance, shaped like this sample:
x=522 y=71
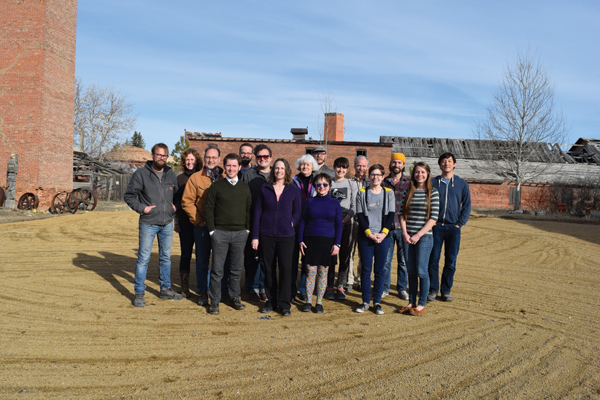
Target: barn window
x=361 y=152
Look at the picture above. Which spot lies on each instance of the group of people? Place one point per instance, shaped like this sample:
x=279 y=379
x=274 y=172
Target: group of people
x=290 y=232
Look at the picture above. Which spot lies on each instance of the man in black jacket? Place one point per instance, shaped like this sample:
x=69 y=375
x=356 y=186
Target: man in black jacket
x=150 y=193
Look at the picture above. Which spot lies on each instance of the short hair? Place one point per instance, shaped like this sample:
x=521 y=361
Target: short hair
x=160 y=146
x=212 y=146
x=288 y=172
x=358 y=158
x=262 y=147
x=307 y=159
x=446 y=155
x=322 y=176
x=245 y=145
x=341 y=162
x=377 y=166
x=232 y=156
x=185 y=154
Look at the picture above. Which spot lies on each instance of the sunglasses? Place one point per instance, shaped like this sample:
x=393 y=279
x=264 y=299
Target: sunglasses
x=263 y=157
x=319 y=184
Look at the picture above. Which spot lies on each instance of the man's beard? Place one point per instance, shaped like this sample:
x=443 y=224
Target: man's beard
x=246 y=162
x=159 y=164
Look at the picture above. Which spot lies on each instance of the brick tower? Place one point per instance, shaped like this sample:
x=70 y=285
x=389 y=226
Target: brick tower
x=37 y=74
x=333 y=127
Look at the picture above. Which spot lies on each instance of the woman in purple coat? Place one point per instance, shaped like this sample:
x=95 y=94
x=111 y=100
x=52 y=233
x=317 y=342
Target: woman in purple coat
x=276 y=214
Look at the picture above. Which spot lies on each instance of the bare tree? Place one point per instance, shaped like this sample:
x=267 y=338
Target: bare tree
x=103 y=118
x=521 y=118
x=328 y=104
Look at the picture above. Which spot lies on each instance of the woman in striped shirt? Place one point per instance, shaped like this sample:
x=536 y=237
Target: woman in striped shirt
x=419 y=214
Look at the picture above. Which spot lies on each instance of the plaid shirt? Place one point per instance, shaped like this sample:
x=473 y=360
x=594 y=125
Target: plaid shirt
x=399 y=189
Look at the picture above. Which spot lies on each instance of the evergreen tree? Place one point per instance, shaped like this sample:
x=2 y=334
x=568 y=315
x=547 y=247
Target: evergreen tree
x=181 y=145
x=137 y=140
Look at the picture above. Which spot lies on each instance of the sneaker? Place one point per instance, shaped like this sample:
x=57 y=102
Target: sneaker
x=348 y=288
x=139 y=300
x=214 y=309
x=203 y=301
x=384 y=294
x=430 y=297
x=341 y=294
x=306 y=307
x=403 y=295
x=362 y=308
x=168 y=294
x=253 y=296
x=446 y=297
x=268 y=307
x=378 y=309
x=319 y=309
x=329 y=294
x=263 y=296
x=237 y=304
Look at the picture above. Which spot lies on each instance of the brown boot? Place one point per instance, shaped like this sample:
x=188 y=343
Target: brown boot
x=185 y=283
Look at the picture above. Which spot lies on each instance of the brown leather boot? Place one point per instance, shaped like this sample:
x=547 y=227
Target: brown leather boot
x=185 y=283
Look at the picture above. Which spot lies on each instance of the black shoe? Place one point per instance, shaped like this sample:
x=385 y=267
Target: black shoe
x=285 y=313
x=168 y=294
x=267 y=308
x=446 y=297
x=301 y=297
x=237 y=304
x=430 y=297
x=203 y=301
x=319 y=309
x=214 y=309
x=306 y=307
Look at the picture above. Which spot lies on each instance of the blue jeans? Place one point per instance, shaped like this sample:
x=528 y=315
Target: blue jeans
x=165 y=241
x=368 y=250
x=402 y=280
x=450 y=236
x=202 y=239
x=417 y=261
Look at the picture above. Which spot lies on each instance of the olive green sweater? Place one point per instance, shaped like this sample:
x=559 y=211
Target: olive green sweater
x=228 y=207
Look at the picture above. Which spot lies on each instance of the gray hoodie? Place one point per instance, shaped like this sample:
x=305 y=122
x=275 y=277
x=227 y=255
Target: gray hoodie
x=146 y=189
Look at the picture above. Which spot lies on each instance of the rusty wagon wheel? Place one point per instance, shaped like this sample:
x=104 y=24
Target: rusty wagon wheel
x=28 y=201
x=85 y=199
x=60 y=203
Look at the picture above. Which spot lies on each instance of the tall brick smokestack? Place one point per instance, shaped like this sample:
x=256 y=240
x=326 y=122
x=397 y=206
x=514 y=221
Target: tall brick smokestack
x=334 y=127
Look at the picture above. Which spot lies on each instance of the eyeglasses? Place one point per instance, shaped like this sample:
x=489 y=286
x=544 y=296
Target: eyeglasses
x=263 y=157
x=376 y=175
x=246 y=153
x=160 y=155
x=319 y=184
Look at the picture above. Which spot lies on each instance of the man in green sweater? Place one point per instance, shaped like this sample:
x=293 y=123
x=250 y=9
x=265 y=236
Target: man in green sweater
x=227 y=216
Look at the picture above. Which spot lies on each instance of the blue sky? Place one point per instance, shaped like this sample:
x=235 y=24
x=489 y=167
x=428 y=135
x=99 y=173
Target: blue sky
x=395 y=68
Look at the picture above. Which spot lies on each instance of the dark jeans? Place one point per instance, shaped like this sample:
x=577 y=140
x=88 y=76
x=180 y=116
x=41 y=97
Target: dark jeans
x=186 y=243
x=254 y=276
x=368 y=250
x=227 y=243
x=277 y=254
x=448 y=235
x=343 y=257
x=417 y=258
x=295 y=260
x=202 y=240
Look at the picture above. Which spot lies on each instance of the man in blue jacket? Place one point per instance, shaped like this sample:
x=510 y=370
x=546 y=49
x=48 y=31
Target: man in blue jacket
x=150 y=193
x=455 y=208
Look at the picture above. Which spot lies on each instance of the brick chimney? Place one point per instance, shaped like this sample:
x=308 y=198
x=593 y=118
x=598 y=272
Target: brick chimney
x=334 y=127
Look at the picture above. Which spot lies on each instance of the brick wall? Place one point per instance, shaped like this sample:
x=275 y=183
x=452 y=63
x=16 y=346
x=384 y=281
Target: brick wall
x=37 y=69
x=292 y=150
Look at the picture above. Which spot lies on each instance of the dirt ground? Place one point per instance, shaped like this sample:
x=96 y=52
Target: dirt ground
x=524 y=323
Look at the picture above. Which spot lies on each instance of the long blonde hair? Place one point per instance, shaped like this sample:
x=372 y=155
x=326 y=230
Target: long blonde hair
x=411 y=190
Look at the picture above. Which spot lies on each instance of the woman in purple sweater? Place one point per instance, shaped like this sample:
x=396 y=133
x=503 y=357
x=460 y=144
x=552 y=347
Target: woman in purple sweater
x=277 y=211
x=319 y=234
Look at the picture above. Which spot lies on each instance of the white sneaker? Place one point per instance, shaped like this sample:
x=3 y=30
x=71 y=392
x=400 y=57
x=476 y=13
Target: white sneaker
x=378 y=309
x=384 y=294
x=362 y=308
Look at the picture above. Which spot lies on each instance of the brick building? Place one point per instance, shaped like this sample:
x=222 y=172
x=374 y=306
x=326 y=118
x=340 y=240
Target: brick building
x=292 y=149
x=37 y=70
